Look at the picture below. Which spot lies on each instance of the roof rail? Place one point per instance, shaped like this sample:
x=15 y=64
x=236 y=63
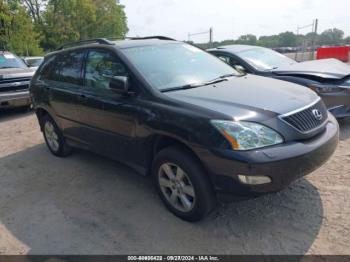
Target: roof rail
x=152 y=37
x=88 y=41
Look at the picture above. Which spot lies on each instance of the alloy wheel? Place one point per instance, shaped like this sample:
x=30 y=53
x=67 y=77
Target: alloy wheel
x=176 y=187
x=51 y=136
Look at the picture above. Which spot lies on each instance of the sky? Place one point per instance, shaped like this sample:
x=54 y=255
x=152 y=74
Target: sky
x=232 y=18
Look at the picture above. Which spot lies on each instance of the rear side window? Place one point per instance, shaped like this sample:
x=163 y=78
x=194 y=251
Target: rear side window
x=71 y=66
x=65 y=68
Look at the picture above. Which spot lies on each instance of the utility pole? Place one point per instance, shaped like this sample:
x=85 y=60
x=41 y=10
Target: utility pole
x=189 y=35
x=314 y=39
x=211 y=37
x=303 y=27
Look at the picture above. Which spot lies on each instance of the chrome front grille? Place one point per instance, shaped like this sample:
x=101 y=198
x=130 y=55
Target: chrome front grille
x=11 y=80
x=14 y=84
x=308 y=119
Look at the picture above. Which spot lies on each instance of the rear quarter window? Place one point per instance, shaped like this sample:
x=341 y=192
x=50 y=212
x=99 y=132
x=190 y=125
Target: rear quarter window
x=47 y=68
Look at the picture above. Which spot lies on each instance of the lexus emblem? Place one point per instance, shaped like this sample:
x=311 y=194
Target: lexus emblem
x=317 y=114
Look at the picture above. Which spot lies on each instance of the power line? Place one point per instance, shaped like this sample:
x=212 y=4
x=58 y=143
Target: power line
x=210 y=32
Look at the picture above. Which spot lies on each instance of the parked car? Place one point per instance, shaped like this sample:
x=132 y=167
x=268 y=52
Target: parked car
x=330 y=78
x=33 y=61
x=14 y=81
x=202 y=130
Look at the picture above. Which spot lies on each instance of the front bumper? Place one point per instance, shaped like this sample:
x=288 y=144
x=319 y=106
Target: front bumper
x=338 y=103
x=14 y=99
x=282 y=163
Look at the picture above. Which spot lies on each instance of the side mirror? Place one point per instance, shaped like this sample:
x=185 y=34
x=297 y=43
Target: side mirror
x=119 y=84
x=240 y=69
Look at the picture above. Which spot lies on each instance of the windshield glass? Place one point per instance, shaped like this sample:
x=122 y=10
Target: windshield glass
x=177 y=64
x=34 y=62
x=8 y=60
x=264 y=59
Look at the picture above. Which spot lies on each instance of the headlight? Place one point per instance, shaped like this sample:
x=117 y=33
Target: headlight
x=247 y=135
x=325 y=89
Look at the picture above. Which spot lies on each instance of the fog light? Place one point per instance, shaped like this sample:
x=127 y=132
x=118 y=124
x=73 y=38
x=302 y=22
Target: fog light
x=254 y=180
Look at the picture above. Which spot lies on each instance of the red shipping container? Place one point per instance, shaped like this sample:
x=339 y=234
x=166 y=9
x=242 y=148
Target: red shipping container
x=338 y=52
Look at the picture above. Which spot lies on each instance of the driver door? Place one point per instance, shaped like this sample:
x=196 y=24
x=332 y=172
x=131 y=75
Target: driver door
x=107 y=118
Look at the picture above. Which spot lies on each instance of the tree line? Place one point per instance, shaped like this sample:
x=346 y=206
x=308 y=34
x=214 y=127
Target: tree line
x=31 y=27
x=329 y=37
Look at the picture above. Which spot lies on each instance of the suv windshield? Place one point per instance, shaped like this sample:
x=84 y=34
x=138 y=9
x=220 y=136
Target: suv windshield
x=264 y=59
x=8 y=60
x=174 y=65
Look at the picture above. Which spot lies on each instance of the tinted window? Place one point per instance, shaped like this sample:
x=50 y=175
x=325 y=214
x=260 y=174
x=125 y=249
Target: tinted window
x=100 y=64
x=64 y=68
x=177 y=64
x=50 y=69
x=70 y=67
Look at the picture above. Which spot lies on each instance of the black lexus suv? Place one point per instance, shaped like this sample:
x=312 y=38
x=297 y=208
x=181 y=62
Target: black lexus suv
x=15 y=76
x=198 y=127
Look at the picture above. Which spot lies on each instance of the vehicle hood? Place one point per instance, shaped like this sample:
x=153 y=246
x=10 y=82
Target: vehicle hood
x=247 y=96
x=324 y=68
x=9 y=73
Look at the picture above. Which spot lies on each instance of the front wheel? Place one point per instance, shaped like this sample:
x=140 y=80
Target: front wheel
x=182 y=184
x=54 y=138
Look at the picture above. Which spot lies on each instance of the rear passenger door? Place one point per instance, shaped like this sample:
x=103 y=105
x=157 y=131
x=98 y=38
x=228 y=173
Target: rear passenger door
x=63 y=81
x=108 y=119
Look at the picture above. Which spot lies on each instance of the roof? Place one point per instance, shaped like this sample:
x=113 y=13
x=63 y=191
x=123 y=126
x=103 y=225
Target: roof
x=144 y=42
x=235 y=48
x=120 y=44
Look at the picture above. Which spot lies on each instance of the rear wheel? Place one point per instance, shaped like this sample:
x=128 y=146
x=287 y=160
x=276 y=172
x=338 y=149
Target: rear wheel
x=54 y=138
x=183 y=184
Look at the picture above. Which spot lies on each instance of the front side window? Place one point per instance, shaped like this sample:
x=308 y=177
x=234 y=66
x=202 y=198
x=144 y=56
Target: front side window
x=264 y=59
x=100 y=65
x=176 y=64
x=224 y=58
x=229 y=60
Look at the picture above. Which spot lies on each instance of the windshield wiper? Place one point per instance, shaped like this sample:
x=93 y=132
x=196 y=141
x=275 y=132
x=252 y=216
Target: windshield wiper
x=229 y=75
x=194 y=85
x=6 y=67
x=190 y=86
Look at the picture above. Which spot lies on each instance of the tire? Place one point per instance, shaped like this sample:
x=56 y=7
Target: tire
x=54 y=138
x=190 y=198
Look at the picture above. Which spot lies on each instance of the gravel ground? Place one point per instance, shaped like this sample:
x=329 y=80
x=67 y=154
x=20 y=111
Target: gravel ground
x=86 y=204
